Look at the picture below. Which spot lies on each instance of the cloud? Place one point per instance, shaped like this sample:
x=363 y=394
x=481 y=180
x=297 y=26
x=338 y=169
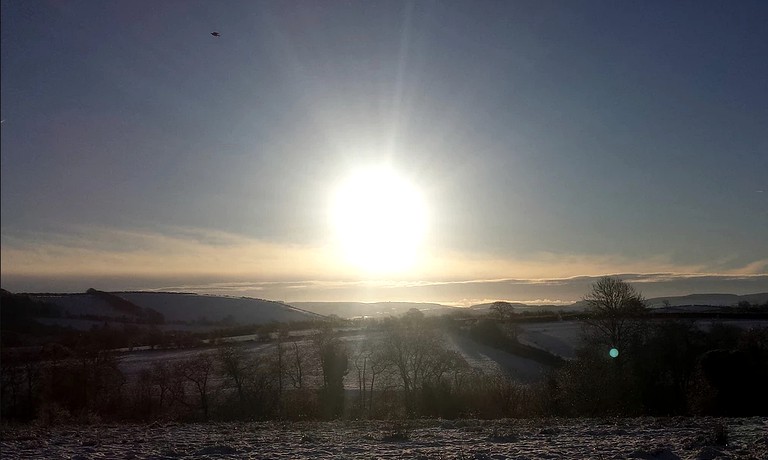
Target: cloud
x=179 y=252
x=188 y=259
x=548 y=266
x=756 y=267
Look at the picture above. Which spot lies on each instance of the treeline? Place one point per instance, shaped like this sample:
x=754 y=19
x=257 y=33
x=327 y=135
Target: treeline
x=21 y=326
x=670 y=367
x=629 y=365
x=145 y=328
x=402 y=368
x=129 y=310
x=503 y=336
x=18 y=314
x=633 y=363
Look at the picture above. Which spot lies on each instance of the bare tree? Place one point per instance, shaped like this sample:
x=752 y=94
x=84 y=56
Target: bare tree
x=15 y=371
x=369 y=362
x=294 y=367
x=334 y=364
x=417 y=352
x=360 y=359
x=198 y=371
x=162 y=378
x=614 y=309
x=236 y=368
x=101 y=379
x=504 y=311
x=279 y=367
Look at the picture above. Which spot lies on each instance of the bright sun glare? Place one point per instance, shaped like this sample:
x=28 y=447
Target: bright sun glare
x=380 y=220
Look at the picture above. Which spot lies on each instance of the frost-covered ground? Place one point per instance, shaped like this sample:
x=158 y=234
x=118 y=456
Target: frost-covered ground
x=492 y=361
x=560 y=338
x=482 y=357
x=644 y=438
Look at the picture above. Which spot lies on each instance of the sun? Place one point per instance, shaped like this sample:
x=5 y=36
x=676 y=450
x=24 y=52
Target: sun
x=380 y=219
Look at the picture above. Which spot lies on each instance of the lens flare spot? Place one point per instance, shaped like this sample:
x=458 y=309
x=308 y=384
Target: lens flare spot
x=614 y=353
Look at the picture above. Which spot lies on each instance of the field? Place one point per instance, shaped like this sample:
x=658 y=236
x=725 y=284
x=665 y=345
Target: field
x=560 y=338
x=68 y=427
x=643 y=438
x=554 y=337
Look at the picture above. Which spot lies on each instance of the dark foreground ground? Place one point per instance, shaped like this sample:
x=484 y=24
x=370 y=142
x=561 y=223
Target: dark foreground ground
x=644 y=438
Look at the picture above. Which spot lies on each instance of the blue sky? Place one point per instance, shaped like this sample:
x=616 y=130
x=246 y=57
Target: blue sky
x=551 y=140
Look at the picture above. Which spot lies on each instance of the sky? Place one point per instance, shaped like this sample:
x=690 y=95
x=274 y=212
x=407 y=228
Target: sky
x=550 y=142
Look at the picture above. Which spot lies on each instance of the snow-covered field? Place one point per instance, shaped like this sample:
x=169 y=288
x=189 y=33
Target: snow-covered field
x=563 y=337
x=642 y=438
x=492 y=361
x=181 y=307
x=482 y=357
x=560 y=338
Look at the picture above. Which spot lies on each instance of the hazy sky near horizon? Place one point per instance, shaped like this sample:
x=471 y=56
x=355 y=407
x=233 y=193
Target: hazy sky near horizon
x=550 y=141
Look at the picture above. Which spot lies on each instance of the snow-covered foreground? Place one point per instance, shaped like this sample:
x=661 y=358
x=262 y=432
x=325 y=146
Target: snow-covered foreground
x=646 y=438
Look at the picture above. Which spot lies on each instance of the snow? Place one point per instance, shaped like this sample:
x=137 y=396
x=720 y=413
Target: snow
x=79 y=304
x=560 y=338
x=563 y=337
x=706 y=324
x=184 y=307
x=720 y=300
x=642 y=438
x=191 y=307
x=134 y=362
x=493 y=361
x=488 y=359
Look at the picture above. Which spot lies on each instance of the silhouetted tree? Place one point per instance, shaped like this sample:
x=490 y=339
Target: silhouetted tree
x=666 y=364
x=369 y=363
x=162 y=379
x=416 y=351
x=198 y=371
x=614 y=309
x=504 y=311
x=294 y=365
x=333 y=356
x=236 y=369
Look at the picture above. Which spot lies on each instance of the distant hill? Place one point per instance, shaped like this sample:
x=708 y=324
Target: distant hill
x=175 y=307
x=168 y=307
x=373 y=309
x=243 y=310
x=517 y=306
x=22 y=318
x=714 y=300
x=23 y=309
x=128 y=309
x=522 y=307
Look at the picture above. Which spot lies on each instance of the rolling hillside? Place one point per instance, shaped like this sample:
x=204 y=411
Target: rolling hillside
x=176 y=307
